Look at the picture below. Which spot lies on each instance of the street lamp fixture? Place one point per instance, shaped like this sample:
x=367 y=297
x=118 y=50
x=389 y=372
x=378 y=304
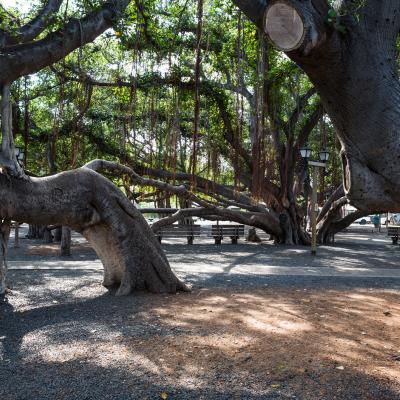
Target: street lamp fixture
x=305 y=152
x=323 y=156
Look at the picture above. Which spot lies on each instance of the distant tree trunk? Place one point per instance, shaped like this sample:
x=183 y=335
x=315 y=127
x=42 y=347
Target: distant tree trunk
x=36 y=231
x=47 y=235
x=66 y=241
x=58 y=234
x=196 y=123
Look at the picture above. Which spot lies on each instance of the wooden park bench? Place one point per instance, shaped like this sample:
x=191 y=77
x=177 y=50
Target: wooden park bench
x=394 y=232
x=233 y=231
x=178 y=231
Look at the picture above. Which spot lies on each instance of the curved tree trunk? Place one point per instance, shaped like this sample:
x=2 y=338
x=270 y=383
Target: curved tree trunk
x=92 y=205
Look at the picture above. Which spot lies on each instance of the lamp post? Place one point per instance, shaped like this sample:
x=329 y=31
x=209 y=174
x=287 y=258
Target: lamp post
x=323 y=156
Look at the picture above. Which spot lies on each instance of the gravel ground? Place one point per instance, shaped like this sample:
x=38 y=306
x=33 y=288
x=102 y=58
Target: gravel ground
x=237 y=336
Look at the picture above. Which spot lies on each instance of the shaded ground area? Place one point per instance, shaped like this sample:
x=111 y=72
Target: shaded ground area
x=246 y=331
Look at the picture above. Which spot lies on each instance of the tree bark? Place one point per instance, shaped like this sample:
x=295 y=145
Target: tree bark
x=16 y=235
x=33 y=28
x=66 y=241
x=92 y=205
x=47 y=235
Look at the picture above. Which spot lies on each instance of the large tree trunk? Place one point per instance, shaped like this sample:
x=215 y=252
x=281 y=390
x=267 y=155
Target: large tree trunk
x=362 y=96
x=352 y=61
x=89 y=203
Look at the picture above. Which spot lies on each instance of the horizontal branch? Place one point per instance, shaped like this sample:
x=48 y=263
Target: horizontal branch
x=264 y=220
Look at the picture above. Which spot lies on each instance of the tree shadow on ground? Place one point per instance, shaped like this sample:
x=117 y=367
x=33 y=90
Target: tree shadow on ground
x=271 y=343
x=353 y=255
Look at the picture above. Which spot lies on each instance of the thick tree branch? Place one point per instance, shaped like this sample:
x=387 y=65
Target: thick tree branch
x=258 y=220
x=114 y=167
x=300 y=106
x=295 y=25
x=330 y=216
x=265 y=220
x=5 y=228
x=331 y=227
x=33 y=28
x=254 y=10
x=24 y=59
x=240 y=89
x=336 y=195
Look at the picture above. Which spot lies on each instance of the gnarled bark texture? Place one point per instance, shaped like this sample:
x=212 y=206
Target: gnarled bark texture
x=89 y=203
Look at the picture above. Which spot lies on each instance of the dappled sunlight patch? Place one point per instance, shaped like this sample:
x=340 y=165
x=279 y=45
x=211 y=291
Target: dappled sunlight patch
x=53 y=249
x=274 y=322
x=303 y=338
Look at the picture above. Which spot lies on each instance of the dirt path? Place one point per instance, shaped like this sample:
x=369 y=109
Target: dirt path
x=237 y=336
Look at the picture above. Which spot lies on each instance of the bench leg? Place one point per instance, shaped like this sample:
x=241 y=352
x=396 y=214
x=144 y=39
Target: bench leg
x=218 y=239
x=234 y=240
x=395 y=239
x=190 y=240
x=159 y=238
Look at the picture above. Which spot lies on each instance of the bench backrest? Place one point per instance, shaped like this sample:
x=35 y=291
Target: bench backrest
x=179 y=230
x=227 y=230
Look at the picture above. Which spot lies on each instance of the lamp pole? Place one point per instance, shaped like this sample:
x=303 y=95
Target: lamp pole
x=314 y=204
x=323 y=155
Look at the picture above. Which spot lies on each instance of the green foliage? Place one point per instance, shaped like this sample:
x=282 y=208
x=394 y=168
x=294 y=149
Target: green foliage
x=147 y=115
